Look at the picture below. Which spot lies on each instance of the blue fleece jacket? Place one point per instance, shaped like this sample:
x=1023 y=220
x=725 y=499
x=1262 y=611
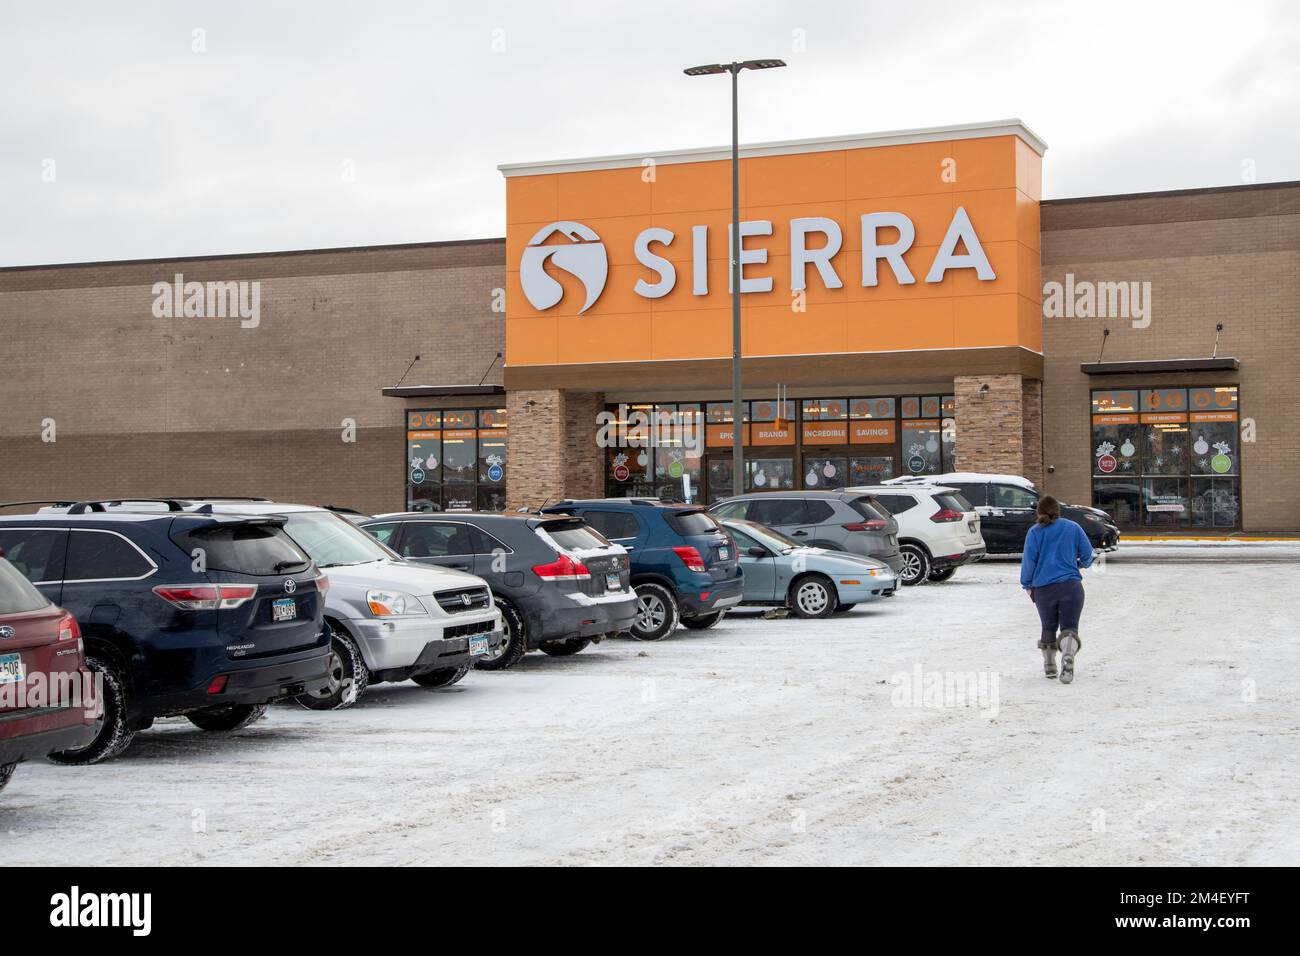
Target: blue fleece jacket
x=1054 y=552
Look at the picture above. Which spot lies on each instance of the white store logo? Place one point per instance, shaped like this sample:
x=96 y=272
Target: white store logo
x=585 y=259
x=585 y=256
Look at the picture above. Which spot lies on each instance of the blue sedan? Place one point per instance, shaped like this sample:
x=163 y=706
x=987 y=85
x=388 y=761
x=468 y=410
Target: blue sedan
x=811 y=582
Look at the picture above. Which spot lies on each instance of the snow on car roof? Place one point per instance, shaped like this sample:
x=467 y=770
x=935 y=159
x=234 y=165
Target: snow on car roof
x=962 y=476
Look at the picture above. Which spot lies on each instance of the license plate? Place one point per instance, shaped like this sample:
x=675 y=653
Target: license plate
x=11 y=669
x=612 y=583
x=284 y=609
x=724 y=554
x=478 y=645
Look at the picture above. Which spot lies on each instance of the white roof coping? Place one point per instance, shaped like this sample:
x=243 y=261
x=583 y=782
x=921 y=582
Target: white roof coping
x=928 y=134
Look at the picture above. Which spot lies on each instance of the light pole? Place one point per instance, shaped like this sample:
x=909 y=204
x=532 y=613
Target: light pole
x=737 y=419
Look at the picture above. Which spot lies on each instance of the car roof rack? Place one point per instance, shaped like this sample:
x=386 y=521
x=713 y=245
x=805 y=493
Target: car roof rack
x=101 y=505
x=64 y=503
x=216 y=498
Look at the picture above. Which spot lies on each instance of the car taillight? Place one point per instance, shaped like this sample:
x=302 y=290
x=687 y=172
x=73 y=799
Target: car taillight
x=871 y=524
x=690 y=557
x=218 y=684
x=563 y=568
x=946 y=514
x=322 y=583
x=68 y=629
x=205 y=597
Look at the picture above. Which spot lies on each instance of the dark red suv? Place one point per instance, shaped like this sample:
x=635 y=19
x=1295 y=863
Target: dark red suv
x=48 y=702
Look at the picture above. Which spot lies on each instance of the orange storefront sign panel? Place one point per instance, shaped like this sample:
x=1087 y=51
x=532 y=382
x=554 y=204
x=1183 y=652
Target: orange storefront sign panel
x=825 y=433
x=720 y=435
x=1160 y=418
x=871 y=432
x=872 y=244
x=767 y=433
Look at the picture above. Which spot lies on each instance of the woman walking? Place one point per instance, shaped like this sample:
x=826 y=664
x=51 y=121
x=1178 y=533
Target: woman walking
x=1055 y=549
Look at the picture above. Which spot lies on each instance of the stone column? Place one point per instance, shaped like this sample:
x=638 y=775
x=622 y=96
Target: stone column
x=553 y=451
x=999 y=427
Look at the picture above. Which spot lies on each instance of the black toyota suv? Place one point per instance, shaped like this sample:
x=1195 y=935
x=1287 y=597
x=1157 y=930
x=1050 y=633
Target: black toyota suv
x=207 y=616
x=559 y=584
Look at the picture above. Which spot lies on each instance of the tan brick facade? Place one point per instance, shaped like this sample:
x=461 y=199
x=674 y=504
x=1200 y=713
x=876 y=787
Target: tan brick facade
x=1225 y=255
x=150 y=406
x=997 y=424
x=553 y=451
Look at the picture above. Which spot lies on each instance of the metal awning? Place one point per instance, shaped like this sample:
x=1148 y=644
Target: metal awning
x=441 y=391
x=1151 y=366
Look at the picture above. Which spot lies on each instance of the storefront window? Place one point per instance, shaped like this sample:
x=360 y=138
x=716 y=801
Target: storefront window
x=921 y=445
x=870 y=470
x=770 y=474
x=1167 y=457
x=451 y=454
x=825 y=474
x=719 y=479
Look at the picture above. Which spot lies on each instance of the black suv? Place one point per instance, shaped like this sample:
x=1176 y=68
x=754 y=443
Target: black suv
x=558 y=583
x=196 y=614
x=1006 y=506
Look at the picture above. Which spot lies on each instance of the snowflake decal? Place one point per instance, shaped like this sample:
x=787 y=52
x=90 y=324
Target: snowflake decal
x=1105 y=448
x=1202 y=463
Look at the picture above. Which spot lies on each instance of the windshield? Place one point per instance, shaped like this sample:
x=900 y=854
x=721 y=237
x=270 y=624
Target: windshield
x=17 y=594
x=772 y=540
x=332 y=541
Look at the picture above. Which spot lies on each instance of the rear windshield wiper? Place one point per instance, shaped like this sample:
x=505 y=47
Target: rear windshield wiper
x=281 y=566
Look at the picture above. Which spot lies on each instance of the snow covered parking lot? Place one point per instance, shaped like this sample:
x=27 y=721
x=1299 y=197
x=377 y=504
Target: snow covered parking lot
x=765 y=741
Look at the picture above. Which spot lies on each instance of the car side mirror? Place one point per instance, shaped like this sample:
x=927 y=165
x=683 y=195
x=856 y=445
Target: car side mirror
x=757 y=552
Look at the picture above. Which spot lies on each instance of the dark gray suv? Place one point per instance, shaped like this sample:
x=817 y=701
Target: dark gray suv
x=559 y=584
x=834 y=520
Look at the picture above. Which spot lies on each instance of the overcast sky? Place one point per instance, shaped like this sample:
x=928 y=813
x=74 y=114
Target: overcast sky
x=325 y=123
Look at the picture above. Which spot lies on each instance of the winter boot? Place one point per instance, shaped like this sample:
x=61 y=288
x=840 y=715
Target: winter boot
x=1070 y=645
x=1049 y=659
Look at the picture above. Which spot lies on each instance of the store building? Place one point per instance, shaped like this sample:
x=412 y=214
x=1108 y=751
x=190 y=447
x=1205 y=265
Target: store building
x=911 y=306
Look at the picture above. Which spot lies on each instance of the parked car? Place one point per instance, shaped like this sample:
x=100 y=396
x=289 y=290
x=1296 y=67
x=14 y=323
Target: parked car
x=1006 y=504
x=938 y=529
x=215 y=645
x=558 y=583
x=44 y=704
x=811 y=582
x=388 y=619
x=834 y=520
x=684 y=567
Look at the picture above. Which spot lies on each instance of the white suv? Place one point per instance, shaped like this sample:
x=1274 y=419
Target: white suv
x=938 y=529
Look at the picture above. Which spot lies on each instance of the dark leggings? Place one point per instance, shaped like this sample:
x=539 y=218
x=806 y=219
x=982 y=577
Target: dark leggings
x=1059 y=606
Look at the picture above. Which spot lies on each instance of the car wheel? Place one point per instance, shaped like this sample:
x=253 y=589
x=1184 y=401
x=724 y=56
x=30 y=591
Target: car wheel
x=703 y=621
x=943 y=574
x=657 y=614
x=6 y=772
x=349 y=675
x=442 y=678
x=841 y=608
x=812 y=596
x=916 y=564
x=565 y=648
x=514 y=641
x=230 y=717
x=113 y=735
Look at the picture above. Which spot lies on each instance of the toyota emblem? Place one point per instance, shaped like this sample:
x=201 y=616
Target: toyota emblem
x=290 y=585
x=6 y=632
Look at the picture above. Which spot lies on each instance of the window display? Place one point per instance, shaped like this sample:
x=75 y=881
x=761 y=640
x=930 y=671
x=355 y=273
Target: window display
x=451 y=454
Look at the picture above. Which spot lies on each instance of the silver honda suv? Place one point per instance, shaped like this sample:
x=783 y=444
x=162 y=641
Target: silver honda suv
x=834 y=520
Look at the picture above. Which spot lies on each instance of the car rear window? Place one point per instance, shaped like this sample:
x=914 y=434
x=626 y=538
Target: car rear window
x=896 y=504
x=245 y=548
x=687 y=523
x=976 y=493
x=17 y=594
x=953 y=501
x=868 y=507
x=574 y=535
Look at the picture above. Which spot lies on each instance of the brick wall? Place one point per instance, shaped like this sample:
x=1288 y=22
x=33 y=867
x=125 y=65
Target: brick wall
x=1228 y=255
x=147 y=406
x=991 y=426
x=553 y=452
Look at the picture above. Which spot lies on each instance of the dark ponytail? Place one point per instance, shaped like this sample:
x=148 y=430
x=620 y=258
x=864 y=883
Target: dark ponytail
x=1049 y=509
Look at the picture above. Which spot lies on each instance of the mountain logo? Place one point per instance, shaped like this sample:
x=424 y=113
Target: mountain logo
x=584 y=258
